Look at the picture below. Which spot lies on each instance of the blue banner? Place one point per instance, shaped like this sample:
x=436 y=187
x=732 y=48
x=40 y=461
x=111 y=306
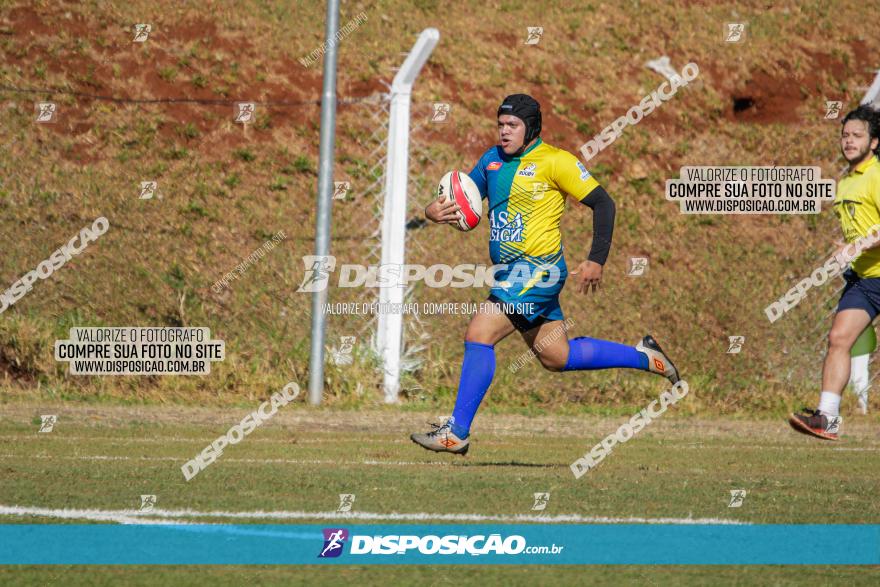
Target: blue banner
x=515 y=544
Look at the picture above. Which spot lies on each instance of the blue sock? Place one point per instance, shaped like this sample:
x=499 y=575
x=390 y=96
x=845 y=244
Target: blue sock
x=477 y=371
x=585 y=353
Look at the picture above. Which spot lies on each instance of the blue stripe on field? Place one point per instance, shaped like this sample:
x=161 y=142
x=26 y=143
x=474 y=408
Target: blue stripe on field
x=640 y=544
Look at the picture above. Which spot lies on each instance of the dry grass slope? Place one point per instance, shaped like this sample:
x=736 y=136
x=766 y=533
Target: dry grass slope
x=226 y=190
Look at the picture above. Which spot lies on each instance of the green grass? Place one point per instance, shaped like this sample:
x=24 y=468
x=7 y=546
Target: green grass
x=105 y=458
x=679 y=468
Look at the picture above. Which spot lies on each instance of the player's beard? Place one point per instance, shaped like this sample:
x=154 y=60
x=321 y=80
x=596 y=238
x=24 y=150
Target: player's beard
x=859 y=157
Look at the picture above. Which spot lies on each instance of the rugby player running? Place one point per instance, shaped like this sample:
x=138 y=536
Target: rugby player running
x=857 y=206
x=526 y=181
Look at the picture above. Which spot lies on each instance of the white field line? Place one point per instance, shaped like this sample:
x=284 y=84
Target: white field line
x=114 y=439
x=135 y=516
x=120 y=517
x=364 y=462
x=776 y=447
x=289 y=442
x=182 y=460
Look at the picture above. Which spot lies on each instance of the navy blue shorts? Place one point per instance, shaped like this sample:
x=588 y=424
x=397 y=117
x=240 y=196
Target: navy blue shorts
x=860 y=292
x=523 y=316
x=526 y=302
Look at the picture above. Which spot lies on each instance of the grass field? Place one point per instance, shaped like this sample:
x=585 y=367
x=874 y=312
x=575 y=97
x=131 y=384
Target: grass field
x=98 y=461
x=624 y=575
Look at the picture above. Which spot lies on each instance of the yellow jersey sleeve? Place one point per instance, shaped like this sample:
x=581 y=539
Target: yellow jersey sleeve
x=572 y=177
x=875 y=189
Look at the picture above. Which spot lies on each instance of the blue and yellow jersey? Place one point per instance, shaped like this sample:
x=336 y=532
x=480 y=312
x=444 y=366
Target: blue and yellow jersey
x=526 y=197
x=857 y=205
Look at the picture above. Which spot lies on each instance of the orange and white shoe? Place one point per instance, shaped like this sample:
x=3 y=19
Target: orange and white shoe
x=815 y=423
x=441 y=439
x=658 y=362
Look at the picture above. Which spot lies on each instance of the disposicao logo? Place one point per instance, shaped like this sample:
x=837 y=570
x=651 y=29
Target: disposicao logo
x=334 y=540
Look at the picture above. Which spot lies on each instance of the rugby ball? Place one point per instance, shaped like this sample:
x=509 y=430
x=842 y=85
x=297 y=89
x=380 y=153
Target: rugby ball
x=458 y=186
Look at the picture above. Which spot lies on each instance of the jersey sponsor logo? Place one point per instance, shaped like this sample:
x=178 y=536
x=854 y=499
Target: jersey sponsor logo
x=505 y=229
x=528 y=170
x=494 y=165
x=850 y=207
x=585 y=175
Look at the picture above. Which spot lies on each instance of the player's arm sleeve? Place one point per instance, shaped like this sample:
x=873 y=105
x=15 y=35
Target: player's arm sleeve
x=478 y=174
x=603 y=223
x=573 y=178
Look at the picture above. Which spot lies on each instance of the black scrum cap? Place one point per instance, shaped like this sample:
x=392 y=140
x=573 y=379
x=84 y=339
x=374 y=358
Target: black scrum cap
x=526 y=109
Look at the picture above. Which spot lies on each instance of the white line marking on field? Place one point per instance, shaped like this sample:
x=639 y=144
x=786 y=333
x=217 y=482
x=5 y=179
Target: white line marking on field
x=120 y=517
x=204 y=440
x=368 y=462
x=135 y=516
x=776 y=447
x=364 y=462
x=299 y=441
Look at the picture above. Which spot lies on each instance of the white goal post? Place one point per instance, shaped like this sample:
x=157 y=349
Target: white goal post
x=390 y=329
x=872 y=96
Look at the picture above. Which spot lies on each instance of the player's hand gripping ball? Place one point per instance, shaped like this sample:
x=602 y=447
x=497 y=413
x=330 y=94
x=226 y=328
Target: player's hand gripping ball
x=461 y=189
